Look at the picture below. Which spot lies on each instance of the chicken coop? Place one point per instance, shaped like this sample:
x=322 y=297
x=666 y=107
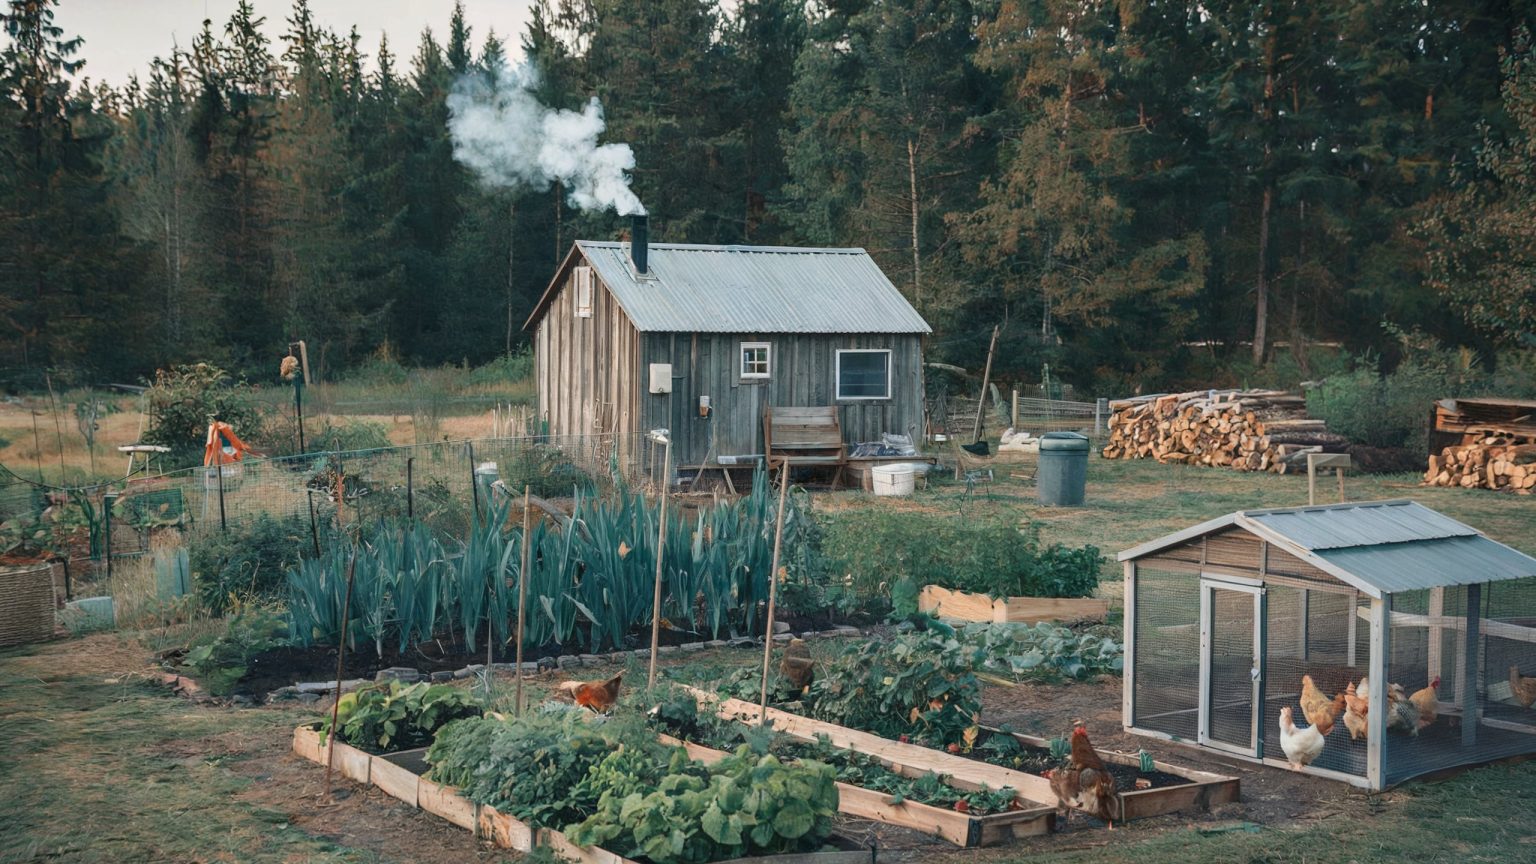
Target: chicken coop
x=1224 y=618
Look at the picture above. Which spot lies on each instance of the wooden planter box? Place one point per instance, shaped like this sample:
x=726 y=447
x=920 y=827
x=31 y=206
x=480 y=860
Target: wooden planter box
x=487 y=823
x=1203 y=790
x=965 y=606
x=961 y=829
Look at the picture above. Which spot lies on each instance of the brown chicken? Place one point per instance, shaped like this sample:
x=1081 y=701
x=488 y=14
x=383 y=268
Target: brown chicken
x=599 y=696
x=1428 y=702
x=1522 y=687
x=797 y=667
x=1319 y=710
x=1355 y=710
x=1084 y=784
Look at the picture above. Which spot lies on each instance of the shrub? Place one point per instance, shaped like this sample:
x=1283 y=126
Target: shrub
x=247 y=562
x=349 y=435
x=546 y=471
x=504 y=369
x=877 y=549
x=184 y=398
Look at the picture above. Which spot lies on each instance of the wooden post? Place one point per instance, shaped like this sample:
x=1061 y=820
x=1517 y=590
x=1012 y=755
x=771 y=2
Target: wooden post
x=1376 y=719
x=1311 y=482
x=218 y=470
x=1128 y=691
x=1354 y=624
x=341 y=654
x=1340 y=473
x=522 y=593
x=1013 y=415
x=1469 y=682
x=661 y=537
x=474 y=482
x=410 y=487
x=986 y=378
x=773 y=587
x=1435 y=660
x=314 y=524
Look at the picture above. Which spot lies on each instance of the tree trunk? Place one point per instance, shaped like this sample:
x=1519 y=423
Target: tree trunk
x=511 y=250
x=1261 y=290
x=917 y=264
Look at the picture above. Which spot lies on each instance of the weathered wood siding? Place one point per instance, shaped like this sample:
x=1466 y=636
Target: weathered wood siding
x=802 y=371
x=586 y=366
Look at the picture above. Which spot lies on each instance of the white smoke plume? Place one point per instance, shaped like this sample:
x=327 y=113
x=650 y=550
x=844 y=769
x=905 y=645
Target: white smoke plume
x=502 y=132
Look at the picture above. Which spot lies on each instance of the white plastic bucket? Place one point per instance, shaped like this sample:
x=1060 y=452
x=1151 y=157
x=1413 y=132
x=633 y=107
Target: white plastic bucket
x=895 y=479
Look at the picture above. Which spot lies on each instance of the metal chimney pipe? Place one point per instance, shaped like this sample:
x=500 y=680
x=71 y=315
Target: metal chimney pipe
x=639 y=243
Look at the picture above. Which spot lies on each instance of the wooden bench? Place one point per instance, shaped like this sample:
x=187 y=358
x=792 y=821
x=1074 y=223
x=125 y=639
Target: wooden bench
x=805 y=437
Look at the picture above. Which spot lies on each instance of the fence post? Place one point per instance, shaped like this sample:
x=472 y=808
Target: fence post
x=218 y=470
x=474 y=485
x=410 y=488
x=1100 y=411
x=107 y=501
x=1015 y=413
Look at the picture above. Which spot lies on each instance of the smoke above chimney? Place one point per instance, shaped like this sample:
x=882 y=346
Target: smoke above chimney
x=510 y=140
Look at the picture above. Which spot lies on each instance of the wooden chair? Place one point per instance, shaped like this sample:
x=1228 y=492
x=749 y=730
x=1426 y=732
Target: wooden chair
x=805 y=437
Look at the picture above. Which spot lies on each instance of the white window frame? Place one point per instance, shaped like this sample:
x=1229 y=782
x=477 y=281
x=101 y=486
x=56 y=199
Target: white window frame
x=741 y=357
x=837 y=374
x=582 y=290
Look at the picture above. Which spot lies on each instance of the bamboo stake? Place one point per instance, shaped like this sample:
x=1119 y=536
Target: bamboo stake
x=773 y=588
x=522 y=596
x=661 y=536
x=341 y=654
x=986 y=378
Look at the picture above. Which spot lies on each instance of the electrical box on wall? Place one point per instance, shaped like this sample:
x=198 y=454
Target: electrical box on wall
x=703 y=406
x=661 y=377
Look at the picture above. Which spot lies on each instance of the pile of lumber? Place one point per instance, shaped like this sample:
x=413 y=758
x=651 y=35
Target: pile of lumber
x=1488 y=462
x=1249 y=430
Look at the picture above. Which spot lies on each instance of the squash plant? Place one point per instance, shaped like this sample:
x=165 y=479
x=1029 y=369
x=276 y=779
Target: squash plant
x=387 y=718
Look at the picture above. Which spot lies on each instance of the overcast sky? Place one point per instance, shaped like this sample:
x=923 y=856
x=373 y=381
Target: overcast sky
x=122 y=35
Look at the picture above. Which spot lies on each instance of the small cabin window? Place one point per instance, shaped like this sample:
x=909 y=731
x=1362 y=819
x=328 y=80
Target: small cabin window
x=755 y=359
x=864 y=373
x=582 y=291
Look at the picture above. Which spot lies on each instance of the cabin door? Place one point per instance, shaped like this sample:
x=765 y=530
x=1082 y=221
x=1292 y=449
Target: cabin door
x=1231 y=665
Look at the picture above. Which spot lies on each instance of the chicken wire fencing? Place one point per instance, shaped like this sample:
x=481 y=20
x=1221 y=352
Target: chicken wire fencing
x=1479 y=642
x=1214 y=662
x=443 y=484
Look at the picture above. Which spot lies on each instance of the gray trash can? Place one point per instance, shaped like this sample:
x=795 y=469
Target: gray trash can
x=1063 y=469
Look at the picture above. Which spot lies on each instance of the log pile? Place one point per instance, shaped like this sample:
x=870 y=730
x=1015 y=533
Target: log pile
x=1487 y=462
x=1247 y=430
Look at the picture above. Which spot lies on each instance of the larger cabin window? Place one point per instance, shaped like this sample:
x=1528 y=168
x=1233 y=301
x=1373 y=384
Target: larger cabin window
x=864 y=373
x=755 y=359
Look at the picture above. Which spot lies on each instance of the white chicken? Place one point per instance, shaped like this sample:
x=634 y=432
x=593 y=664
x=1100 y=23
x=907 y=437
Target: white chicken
x=1301 y=745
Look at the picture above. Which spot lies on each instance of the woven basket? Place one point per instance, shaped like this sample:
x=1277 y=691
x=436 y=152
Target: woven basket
x=26 y=604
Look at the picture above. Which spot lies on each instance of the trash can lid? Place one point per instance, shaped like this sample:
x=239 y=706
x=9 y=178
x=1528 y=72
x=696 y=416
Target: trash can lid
x=1063 y=441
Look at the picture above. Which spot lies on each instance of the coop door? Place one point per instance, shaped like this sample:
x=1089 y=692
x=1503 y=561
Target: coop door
x=1231 y=665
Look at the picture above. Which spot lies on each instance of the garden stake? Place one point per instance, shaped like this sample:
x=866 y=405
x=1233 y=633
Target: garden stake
x=773 y=585
x=522 y=599
x=474 y=485
x=218 y=468
x=314 y=526
x=410 y=490
x=341 y=655
x=661 y=536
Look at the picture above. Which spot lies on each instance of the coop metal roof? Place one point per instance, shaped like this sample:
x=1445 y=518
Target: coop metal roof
x=750 y=289
x=1380 y=547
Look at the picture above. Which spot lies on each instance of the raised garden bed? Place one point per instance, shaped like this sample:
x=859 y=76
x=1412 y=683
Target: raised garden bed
x=966 y=606
x=1200 y=791
x=963 y=829
x=396 y=769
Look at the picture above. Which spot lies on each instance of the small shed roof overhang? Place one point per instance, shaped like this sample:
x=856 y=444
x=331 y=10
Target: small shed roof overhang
x=1378 y=547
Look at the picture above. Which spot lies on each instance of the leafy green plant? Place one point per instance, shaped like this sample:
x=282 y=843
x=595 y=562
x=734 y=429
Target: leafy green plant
x=1041 y=651
x=220 y=662
x=915 y=684
x=388 y=717
x=745 y=804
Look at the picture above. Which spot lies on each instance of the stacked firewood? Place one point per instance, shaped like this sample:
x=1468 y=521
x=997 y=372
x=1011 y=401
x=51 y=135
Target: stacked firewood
x=1249 y=430
x=1498 y=461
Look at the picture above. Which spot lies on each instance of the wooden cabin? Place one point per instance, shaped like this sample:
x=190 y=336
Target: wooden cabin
x=635 y=336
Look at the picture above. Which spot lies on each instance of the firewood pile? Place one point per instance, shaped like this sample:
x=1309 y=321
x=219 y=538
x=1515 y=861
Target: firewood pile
x=1491 y=445
x=1248 y=430
x=1490 y=462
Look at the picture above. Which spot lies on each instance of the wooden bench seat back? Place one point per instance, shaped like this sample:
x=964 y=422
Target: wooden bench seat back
x=804 y=436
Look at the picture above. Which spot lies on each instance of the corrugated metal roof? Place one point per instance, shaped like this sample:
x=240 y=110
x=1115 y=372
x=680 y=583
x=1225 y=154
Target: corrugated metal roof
x=1380 y=547
x=1337 y=526
x=753 y=289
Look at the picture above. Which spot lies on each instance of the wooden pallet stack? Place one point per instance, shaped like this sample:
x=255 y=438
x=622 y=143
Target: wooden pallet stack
x=1491 y=462
x=1248 y=430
